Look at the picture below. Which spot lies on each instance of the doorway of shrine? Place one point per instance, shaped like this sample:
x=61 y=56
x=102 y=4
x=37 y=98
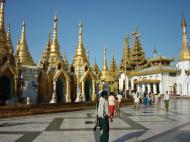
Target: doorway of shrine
x=6 y=89
x=61 y=90
x=88 y=89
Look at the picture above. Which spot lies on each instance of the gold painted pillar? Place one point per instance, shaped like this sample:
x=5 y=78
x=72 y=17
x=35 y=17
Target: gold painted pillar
x=93 y=90
x=15 y=86
x=83 y=91
x=68 y=94
x=54 y=95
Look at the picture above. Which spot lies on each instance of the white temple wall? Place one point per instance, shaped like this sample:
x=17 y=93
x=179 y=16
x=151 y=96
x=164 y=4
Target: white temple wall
x=29 y=74
x=183 y=79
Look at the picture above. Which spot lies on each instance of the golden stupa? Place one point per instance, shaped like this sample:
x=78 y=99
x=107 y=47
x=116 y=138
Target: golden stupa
x=22 y=49
x=184 y=52
x=80 y=57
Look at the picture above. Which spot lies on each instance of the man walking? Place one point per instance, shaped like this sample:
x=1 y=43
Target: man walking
x=166 y=100
x=103 y=115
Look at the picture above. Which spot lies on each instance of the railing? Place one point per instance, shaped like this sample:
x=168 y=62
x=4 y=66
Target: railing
x=24 y=110
x=11 y=111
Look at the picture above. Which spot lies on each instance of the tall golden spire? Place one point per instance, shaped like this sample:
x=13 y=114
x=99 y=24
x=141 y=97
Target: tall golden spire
x=24 y=54
x=137 y=55
x=45 y=54
x=113 y=65
x=95 y=68
x=184 y=52
x=105 y=74
x=80 y=57
x=9 y=42
x=126 y=55
x=105 y=67
x=3 y=39
x=55 y=54
x=126 y=59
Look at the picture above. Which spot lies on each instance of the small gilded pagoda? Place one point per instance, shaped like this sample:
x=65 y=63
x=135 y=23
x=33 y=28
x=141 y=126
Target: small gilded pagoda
x=55 y=77
x=84 y=74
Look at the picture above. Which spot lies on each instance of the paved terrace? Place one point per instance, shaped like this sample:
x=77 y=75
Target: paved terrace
x=151 y=124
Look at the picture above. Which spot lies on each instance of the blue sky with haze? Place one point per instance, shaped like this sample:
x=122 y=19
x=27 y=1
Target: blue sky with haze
x=105 y=23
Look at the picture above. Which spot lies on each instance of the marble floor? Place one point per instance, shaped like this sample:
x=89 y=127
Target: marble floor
x=149 y=124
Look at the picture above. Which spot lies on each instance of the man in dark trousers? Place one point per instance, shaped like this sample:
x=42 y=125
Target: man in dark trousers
x=97 y=117
x=103 y=115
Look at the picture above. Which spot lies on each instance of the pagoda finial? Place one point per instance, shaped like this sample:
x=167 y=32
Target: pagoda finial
x=183 y=22
x=87 y=54
x=155 y=52
x=23 y=34
x=113 y=59
x=105 y=61
x=112 y=52
x=55 y=28
x=136 y=33
x=80 y=33
x=49 y=37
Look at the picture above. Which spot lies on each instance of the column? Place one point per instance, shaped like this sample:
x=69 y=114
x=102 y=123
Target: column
x=154 y=88
x=93 y=90
x=143 y=88
x=68 y=94
x=16 y=91
x=83 y=91
x=178 y=89
x=138 y=88
x=126 y=84
x=54 y=95
x=149 y=88
x=161 y=88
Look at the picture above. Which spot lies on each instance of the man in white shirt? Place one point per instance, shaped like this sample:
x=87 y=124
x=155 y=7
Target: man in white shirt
x=166 y=100
x=136 y=100
x=103 y=115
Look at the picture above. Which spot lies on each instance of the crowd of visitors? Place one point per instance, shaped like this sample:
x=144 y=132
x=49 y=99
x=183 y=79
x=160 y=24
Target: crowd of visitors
x=108 y=106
